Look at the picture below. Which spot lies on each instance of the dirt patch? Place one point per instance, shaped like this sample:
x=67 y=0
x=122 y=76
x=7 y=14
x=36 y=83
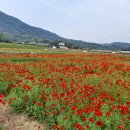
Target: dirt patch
x=15 y=121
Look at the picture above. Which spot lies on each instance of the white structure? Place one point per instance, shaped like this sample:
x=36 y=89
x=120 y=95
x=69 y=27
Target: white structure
x=54 y=47
x=113 y=52
x=84 y=51
x=62 y=45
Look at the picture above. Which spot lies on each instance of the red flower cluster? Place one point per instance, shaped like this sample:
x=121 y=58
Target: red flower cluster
x=70 y=91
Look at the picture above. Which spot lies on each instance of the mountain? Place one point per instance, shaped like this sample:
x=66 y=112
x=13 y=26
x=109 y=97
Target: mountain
x=13 y=29
x=16 y=28
x=117 y=45
x=18 y=31
x=121 y=44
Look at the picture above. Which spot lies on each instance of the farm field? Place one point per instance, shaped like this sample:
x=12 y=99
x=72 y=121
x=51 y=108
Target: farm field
x=68 y=91
x=20 y=48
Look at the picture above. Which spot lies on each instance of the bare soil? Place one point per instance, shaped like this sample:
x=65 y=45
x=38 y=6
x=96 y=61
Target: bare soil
x=10 y=120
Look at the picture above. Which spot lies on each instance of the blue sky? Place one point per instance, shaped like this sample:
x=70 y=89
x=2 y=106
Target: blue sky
x=100 y=21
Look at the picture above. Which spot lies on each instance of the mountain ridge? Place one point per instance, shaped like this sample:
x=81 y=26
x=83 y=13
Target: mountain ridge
x=15 y=26
x=18 y=31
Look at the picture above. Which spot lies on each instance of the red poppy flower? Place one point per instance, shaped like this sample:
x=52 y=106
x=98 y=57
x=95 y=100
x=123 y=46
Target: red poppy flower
x=119 y=127
x=107 y=113
x=99 y=123
x=33 y=102
x=83 y=119
x=87 y=126
x=1 y=96
x=91 y=119
x=40 y=104
x=55 y=127
x=128 y=117
x=98 y=113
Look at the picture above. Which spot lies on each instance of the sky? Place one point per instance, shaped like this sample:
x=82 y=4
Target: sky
x=100 y=21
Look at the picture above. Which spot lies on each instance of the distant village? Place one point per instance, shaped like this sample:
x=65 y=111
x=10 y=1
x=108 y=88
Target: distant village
x=62 y=46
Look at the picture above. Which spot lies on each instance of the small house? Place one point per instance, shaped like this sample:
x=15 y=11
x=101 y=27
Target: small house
x=61 y=45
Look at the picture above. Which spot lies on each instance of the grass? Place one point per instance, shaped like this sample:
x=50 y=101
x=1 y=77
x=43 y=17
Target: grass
x=21 y=48
x=21 y=60
x=1 y=127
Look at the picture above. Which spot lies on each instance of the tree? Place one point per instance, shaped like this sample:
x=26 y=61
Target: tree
x=4 y=38
x=1 y=37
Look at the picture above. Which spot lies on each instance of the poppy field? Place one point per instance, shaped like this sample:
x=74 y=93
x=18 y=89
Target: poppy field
x=69 y=91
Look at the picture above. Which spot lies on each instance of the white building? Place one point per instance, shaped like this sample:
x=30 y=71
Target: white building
x=62 y=45
x=54 y=47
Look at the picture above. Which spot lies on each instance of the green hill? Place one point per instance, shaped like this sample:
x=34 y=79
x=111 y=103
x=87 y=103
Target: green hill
x=16 y=29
